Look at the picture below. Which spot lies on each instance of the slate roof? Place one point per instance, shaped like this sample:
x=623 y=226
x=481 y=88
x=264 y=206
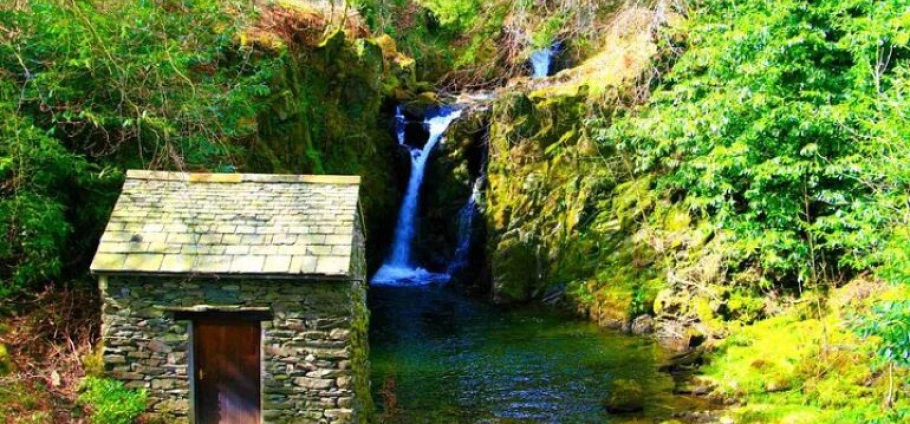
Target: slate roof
x=224 y=224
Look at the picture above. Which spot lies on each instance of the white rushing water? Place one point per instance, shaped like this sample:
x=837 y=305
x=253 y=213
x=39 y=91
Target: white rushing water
x=465 y=228
x=540 y=62
x=400 y=124
x=399 y=269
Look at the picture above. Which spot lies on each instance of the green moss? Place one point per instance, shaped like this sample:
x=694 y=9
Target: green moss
x=515 y=270
x=324 y=117
x=798 y=368
x=633 y=200
x=543 y=186
x=6 y=364
x=360 y=356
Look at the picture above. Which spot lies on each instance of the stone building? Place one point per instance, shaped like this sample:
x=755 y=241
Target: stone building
x=238 y=298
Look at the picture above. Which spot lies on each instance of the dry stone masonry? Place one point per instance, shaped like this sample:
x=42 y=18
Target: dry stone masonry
x=288 y=249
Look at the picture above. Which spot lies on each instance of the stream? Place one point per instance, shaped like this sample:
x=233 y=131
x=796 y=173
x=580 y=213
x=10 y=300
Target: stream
x=441 y=357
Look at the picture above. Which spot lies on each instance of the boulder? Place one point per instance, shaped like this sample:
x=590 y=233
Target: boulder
x=643 y=324
x=626 y=397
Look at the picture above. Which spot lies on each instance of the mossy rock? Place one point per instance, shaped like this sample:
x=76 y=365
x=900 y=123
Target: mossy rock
x=671 y=302
x=323 y=116
x=514 y=271
x=388 y=46
x=333 y=41
x=626 y=397
x=421 y=103
x=778 y=383
x=6 y=363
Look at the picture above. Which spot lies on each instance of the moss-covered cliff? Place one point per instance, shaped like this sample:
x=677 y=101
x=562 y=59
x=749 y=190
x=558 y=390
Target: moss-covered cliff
x=559 y=207
x=326 y=115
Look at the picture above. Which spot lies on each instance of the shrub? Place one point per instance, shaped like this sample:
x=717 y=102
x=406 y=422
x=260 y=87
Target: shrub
x=110 y=402
x=135 y=85
x=783 y=126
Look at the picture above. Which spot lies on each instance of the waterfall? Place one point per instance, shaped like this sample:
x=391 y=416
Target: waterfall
x=465 y=228
x=400 y=123
x=399 y=268
x=540 y=62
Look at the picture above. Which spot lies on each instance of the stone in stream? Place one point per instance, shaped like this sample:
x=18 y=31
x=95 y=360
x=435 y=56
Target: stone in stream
x=626 y=397
x=643 y=324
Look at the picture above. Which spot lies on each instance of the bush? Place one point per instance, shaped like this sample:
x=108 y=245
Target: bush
x=110 y=402
x=783 y=126
x=136 y=85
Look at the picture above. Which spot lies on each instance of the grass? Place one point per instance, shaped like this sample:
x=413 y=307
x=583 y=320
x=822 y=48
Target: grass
x=24 y=402
x=803 y=366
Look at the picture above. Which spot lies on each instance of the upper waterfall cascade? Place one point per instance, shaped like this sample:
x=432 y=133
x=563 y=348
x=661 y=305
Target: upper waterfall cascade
x=540 y=62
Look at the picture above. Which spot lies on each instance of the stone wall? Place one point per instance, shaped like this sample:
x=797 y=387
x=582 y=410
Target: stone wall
x=359 y=341
x=314 y=351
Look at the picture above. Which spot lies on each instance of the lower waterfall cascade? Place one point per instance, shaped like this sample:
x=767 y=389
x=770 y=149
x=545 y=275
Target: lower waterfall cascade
x=399 y=268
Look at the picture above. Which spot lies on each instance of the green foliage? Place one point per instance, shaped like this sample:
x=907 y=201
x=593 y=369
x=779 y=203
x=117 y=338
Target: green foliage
x=89 y=88
x=35 y=171
x=110 y=402
x=472 y=42
x=779 y=125
x=458 y=15
x=889 y=322
x=548 y=31
x=6 y=364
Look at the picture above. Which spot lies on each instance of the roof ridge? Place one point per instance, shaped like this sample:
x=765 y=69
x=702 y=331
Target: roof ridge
x=202 y=177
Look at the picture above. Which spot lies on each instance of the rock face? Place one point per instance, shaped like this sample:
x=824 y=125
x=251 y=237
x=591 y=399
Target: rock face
x=457 y=162
x=540 y=186
x=315 y=365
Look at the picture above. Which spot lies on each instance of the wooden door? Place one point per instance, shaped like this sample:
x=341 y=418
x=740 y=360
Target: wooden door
x=226 y=367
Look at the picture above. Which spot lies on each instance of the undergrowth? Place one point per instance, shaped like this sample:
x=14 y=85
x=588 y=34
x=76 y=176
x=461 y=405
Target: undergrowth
x=49 y=338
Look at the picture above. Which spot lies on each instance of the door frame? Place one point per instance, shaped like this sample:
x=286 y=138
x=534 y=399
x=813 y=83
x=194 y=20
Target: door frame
x=242 y=316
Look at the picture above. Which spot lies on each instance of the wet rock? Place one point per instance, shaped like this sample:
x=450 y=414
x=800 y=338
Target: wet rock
x=644 y=324
x=694 y=386
x=419 y=105
x=672 y=335
x=702 y=417
x=627 y=396
x=681 y=361
x=514 y=271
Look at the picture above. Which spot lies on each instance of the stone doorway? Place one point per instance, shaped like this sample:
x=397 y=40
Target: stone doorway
x=226 y=367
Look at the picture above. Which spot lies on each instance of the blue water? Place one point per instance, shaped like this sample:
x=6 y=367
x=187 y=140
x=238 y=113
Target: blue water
x=440 y=357
x=540 y=62
x=400 y=268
